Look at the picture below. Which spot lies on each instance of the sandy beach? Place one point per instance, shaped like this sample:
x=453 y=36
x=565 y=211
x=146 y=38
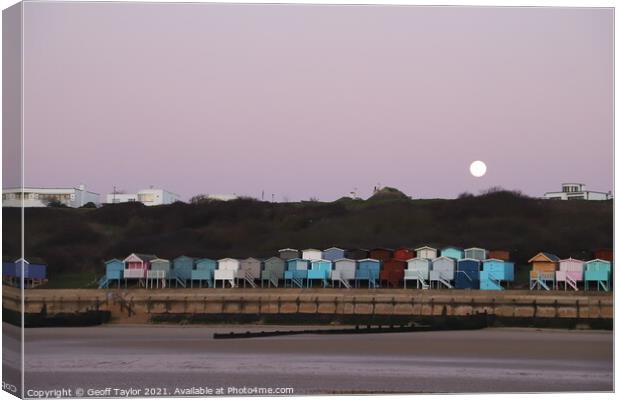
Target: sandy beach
x=171 y=358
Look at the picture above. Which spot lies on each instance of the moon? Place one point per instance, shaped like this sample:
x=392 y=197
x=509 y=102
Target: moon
x=478 y=168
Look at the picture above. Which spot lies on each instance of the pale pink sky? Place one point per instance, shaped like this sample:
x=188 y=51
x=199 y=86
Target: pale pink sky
x=313 y=101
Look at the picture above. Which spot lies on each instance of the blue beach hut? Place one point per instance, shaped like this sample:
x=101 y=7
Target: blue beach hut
x=320 y=270
x=368 y=270
x=467 y=274
x=296 y=272
x=113 y=272
x=333 y=254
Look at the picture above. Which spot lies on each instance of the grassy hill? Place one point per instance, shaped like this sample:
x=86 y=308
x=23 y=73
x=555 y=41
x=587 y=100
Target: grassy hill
x=77 y=241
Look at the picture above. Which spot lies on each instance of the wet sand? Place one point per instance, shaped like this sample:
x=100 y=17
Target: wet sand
x=174 y=357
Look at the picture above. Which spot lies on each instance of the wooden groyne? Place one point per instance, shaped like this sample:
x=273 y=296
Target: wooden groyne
x=320 y=305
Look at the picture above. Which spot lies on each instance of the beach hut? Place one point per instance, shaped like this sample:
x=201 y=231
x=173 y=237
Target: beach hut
x=113 y=273
x=570 y=272
x=499 y=255
x=227 y=271
x=599 y=272
x=158 y=274
x=136 y=266
x=467 y=274
x=311 y=254
x=403 y=254
x=427 y=252
x=204 y=272
x=9 y=269
x=344 y=272
x=453 y=252
x=393 y=273
x=368 y=270
x=333 y=253
x=249 y=271
x=604 y=254
x=442 y=271
x=418 y=269
x=356 y=254
x=273 y=271
x=181 y=271
x=296 y=272
x=287 y=254
x=542 y=274
x=34 y=273
x=475 y=253
x=320 y=270
x=494 y=273
x=9 y=273
x=381 y=254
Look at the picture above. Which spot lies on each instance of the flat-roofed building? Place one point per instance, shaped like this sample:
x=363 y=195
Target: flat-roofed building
x=148 y=197
x=42 y=197
x=576 y=191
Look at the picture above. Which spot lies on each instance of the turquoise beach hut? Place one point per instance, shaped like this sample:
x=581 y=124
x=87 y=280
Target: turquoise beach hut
x=182 y=267
x=495 y=272
x=452 y=252
x=296 y=272
x=320 y=270
x=599 y=272
x=203 y=272
x=159 y=273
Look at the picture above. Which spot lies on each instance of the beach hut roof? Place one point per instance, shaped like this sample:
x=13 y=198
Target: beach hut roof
x=572 y=259
x=287 y=249
x=334 y=248
x=111 y=260
x=473 y=259
x=444 y=257
x=418 y=258
x=141 y=256
x=369 y=259
x=425 y=248
x=598 y=260
x=227 y=259
x=548 y=256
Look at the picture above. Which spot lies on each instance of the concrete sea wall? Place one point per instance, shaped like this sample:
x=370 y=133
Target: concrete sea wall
x=141 y=305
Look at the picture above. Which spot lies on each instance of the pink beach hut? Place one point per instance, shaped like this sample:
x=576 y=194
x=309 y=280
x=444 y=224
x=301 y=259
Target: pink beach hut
x=136 y=265
x=570 y=272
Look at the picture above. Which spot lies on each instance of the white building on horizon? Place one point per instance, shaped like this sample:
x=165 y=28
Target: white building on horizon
x=148 y=197
x=576 y=191
x=222 y=197
x=41 y=197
